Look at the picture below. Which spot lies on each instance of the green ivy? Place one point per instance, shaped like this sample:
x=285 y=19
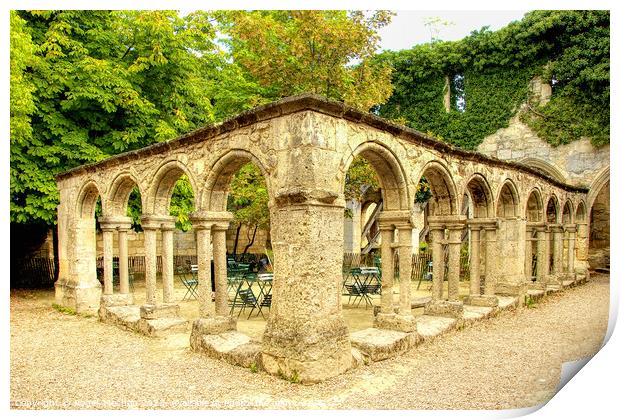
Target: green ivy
x=568 y=49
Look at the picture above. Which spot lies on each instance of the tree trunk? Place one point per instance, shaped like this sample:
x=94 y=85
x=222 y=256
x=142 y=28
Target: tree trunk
x=252 y=241
x=236 y=239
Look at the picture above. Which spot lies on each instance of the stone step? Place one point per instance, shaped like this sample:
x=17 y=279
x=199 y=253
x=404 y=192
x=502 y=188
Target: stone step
x=430 y=327
x=378 y=344
x=232 y=346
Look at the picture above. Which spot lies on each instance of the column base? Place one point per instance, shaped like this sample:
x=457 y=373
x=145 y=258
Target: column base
x=83 y=297
x=395 y=322
x=481 y=300
x=445 y=308
x=308 y=351
x=210 y=326
x=582 y=275
x=554 y=282
x=117 y=299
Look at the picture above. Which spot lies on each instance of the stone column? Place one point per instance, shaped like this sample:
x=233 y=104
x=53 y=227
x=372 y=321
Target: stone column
x=306 y=335
x=581 y=244
x=528 y=253
x=558 y=249
x=108 y=267
x=405 y=254
x=454 y=260
x=542 y=258
x=206 y=308
x=570 y=263
x=387 y=267
x=219 y=263
x=123 y=260
x=474 y=264
x=492 y=259
x=437 y=234
x=150 y=263
x=167 y=260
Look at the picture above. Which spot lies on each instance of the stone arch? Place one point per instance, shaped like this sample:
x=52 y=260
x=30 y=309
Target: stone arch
x=162 y=185
x=545 y=167
x=444 y=201
x=567 y=212
x=215 y=193
x=552 y=210
x=392 y=179
x=581 y=213
x=534 y=206
x=87 y=200
x=480 y=195
x=597 y=185
x=122 y=186
x=508 y=200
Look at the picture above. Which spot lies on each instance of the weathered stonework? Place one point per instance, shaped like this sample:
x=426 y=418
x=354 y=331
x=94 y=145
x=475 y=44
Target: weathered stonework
x=303 y=146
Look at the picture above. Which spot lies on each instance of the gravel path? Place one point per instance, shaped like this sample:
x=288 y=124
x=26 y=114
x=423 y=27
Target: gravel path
x=514 y=360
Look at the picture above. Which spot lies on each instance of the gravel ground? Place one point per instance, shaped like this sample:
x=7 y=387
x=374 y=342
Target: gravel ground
x=514 y=360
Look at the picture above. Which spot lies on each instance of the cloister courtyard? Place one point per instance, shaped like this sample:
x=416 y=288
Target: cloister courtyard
x=512 y=360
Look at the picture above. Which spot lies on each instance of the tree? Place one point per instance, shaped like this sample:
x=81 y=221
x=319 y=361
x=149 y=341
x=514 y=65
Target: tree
x=248 y=201
x=323 y=52
x=91 y=84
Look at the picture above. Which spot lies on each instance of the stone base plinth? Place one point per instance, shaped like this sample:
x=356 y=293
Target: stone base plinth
x=210 y=326
x=117 y=299
x=162 y=326
x=554 y=282
x=445 y=308
x=129 y=318
x=536 y=285
x=232 y=346
x=510 y=289
x=160 y=311
x=481 y=300
x=376 y=344
x=83 y=297
x=395 y=322
x=126 y=317
x=310 y=351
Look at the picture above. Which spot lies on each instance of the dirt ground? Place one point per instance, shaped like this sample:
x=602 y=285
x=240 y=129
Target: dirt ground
x=511 y=361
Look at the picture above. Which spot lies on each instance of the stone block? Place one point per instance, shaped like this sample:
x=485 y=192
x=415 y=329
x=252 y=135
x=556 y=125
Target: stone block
x=162 y=326
x=430 y=327
x=357 y=358
x=232 y=346
x=160 y=311
x=396 y=322
x=117 y=299
x=481 y=300
x=446 y=308
x=379 y=344
x=214 y=325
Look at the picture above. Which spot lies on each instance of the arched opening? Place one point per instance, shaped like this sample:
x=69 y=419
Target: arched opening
x=553 y=218
x=599 y=229
x=89 y=200
x=508 y=201
x=567 y=224
x=545 y=167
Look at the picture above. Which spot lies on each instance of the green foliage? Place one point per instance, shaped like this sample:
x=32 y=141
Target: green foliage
x=570 y=49
x=248 y=199
x=182 y=203
x=361 y=179
x=423 y=247
x=253 y=367
x=63 y=309
x=289 y=52
x=90 y=84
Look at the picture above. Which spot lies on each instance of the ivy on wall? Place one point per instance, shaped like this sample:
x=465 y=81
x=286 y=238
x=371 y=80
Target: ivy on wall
x=489 y=75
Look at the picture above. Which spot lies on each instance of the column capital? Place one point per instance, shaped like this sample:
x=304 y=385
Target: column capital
x=570 y=228
x=115 y=222
x=556 y=228
x=154 y=222
x=482 y=223
x=211 y=219
x=456 y=220
x=396 y=218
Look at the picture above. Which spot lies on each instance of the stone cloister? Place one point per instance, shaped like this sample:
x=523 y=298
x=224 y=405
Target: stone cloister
x=304 y=145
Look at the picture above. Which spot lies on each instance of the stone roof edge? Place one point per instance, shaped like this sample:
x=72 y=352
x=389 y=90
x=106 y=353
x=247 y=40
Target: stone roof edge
x=317 y=103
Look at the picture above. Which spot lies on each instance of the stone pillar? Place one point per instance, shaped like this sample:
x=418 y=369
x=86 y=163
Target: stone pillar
x=437 y=236
x=453 y=307
x=570 y=263
x=219 y=263
x=475 y=298
x=203 y=250
x=405 y=254
x=167 y=260
x=108 y=267
x=581 y=245
x=474 y=264
x=542 y=258
x=558 y=249
x=454 y=260
x=123 y=261
x=492 y=259
x=306 y=335
x=150 y=262
x=387 y=267
x=528 y=253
